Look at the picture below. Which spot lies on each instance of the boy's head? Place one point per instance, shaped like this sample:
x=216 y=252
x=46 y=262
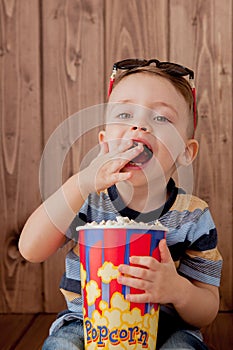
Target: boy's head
x=150 y=106
x=181 y=84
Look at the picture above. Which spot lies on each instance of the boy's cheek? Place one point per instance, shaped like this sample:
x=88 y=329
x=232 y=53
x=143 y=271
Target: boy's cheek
x=111 y=145
x=170 y=137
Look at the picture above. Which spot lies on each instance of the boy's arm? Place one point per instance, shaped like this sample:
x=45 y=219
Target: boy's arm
x=197 y=302
x=44 y=232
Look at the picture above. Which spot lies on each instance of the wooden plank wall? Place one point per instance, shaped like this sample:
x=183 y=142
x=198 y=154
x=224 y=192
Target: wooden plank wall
x=55 y=59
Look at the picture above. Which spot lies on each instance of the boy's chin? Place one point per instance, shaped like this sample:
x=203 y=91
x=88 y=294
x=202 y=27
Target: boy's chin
x=139 y=175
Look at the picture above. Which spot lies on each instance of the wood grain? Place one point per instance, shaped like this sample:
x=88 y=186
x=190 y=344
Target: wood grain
x=139 y=30
x=20 y=332
x=12 y=328
x=72 y=80
x=55 y=60
x=36 y=333
x=205 y=45
x=219 y=335
x=20 y=149
x=24 y=331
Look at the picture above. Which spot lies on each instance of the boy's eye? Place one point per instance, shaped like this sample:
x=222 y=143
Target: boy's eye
x=124 y=116
x=160 y=119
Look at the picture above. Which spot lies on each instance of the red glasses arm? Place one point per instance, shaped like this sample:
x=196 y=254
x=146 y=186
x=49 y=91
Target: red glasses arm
x=112 y=79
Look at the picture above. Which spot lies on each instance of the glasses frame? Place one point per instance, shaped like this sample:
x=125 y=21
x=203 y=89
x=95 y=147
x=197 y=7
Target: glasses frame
x=171 y=68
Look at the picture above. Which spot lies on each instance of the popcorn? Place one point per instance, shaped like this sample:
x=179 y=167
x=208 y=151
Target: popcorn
x=114 y=317
x=131 y=316
x=121 y=328
x=119 y=300
x=93 y=292
x=124 y=221
x=83 y=275
x=111 y=321
x=108 y=272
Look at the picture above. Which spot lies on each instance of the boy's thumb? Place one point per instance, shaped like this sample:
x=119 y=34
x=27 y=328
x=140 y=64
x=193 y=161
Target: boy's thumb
x=164 y=252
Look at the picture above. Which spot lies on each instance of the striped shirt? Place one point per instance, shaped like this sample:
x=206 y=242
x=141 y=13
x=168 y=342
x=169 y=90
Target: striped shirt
x=192 y=237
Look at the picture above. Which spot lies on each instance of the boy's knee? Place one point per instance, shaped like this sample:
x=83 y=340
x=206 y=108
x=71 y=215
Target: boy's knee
x=56 y=343
x=183 y=341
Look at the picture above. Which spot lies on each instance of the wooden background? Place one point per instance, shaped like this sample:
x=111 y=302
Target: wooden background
x=55 y=59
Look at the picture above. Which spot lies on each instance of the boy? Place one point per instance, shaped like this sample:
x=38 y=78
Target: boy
x=151 y=119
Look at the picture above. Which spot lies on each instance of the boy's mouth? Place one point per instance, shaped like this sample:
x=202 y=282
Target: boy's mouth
x=143 y=157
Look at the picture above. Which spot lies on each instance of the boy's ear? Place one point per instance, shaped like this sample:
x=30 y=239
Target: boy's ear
x=188 y=155
x=101 y=136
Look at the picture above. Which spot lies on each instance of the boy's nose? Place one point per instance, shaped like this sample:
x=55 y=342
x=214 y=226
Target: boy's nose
x=140 y=128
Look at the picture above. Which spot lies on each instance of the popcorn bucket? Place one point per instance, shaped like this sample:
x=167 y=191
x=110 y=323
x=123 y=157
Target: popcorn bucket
x=110 y=321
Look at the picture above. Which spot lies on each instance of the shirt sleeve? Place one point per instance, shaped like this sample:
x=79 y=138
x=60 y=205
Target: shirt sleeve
x=201 y=260
x=79 y=220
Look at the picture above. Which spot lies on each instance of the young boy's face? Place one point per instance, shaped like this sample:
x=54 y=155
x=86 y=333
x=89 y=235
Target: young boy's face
x=148 y=109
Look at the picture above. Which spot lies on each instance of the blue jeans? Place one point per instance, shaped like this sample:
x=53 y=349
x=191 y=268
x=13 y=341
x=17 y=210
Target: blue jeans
x=183 y=340
x=70 y=337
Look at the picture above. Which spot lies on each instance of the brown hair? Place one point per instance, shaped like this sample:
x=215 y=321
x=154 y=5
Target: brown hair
x=179 y=82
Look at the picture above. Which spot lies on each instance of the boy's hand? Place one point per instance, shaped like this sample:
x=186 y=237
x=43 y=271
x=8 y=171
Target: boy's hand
x=158 y=280
x=105 y=169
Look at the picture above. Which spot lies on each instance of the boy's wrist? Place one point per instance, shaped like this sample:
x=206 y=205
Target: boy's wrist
x=83 y=184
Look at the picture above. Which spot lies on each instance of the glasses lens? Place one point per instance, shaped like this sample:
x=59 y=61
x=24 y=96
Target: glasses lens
x=170 y=68
x=131 y=63
x=175 y=69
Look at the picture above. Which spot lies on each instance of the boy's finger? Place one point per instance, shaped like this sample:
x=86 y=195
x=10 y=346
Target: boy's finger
x=139 y=298
x=118 y=177
x=164 y=252
x=124 y=145
x=147 y=261
x=128 y=154
x=123 y=158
